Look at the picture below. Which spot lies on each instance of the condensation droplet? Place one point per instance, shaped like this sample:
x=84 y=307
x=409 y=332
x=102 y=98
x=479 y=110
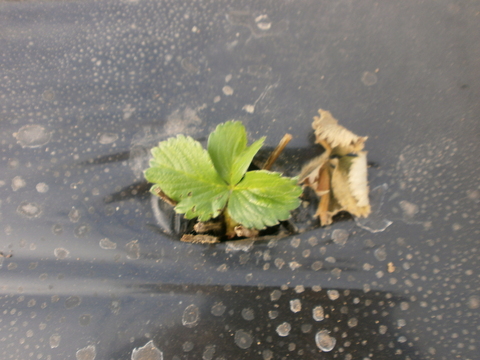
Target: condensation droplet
x=409 y=209
x=42 y=187
x=191 y=316
x=84 y=319
x=340 y=236
x=267 y=354
x=18 y=183
x=61 y=253
x=133 y=250
x=243 y=339
x=239 y=245
x=473 y=302
x=275 y=295
x=209 y=352
x=222 y=268
x=318 y=313
x=295 y=305
x=333 y=294
x=30 y=210
x=294 y=265
x=107 y=244
x=227 y=90
x=81 y=230
x=376 y=221
x=87 y=353
x=284 y=329
x=218 y=309
x=352 y=322
x=57 y=229
x=72 y=301
x=380 y=253
x=324 y=341
x=248 y=314
x=249 y=108
x=369 y=78
x=32 y=136
x=74 y=215
x=54 y=341
x=48 y=95
x=107 y=138
x=147 y=352
x=187 y=346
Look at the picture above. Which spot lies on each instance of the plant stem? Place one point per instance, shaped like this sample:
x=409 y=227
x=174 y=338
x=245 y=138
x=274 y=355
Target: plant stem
x=277 y=151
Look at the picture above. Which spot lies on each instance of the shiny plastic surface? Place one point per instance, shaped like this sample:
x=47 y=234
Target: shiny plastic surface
x=91 y=267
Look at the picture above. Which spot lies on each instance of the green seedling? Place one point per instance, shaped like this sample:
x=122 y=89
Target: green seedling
x=205 y=184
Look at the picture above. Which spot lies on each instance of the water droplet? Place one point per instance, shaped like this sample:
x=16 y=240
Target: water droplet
x=249 y=108
x=340 y=236
x=18 y=183
x=61 y=253
x=352 y=322
x=380 y=253
x=107 y=244
x=227 y=90
x=473 y=302
x=74 y=215
x=107 y=138
x=318 y=313
x=294 y=265
x=333 y=294
x=72 y=301
x=376 y=221
x=239 y=245
x=30 y=210
x=275 y=295
x=295 y=305
x=42 y=187
x=84 y=319
x=222 y=268
x=191 y=316
x=32 y=136
x=284 y=329
x=87 y=353
x=248 y=314
x=369 y=78
x=133 y=250
x=409 y=209
x=55 y=341
x=324 y=341
x=187 y=346
x=218 y=309
x=267 y=354
x=57 y=229
x=147 y=352
x=209 y=352
x=243 y=339
x=81 y=230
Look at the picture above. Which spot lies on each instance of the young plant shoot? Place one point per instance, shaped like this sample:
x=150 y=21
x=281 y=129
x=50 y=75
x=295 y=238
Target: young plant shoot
x=205 y=184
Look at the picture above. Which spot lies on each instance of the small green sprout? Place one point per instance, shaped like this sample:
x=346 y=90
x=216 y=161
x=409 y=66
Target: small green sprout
x=207 y=183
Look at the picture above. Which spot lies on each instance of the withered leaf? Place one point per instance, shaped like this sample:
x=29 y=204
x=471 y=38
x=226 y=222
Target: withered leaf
x=339 y=175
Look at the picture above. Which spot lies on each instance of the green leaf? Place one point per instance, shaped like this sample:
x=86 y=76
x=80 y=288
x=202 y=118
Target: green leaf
x=227 y=147
x=185 y=173
x=263 y=199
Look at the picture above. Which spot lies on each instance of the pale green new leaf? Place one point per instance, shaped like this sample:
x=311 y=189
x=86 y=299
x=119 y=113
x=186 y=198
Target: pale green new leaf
x=263 y=199
x=227 y=147
x=185 y=173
